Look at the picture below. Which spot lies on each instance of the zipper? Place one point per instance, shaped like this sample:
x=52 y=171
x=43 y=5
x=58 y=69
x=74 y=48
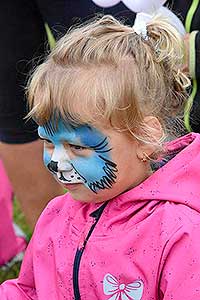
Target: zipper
x=79 y=252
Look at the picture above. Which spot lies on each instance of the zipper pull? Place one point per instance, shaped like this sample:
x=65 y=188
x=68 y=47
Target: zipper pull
x=85 y=233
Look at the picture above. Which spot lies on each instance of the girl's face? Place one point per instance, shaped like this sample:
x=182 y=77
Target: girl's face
x=95 y=165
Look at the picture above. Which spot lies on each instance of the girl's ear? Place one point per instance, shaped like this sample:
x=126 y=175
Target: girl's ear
x=155 y=131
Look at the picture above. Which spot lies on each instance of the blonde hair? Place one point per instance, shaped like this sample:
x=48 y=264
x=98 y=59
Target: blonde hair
x=104 y=72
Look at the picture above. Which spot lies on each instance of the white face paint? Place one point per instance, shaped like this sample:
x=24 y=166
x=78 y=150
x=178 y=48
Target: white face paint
x=61 y=166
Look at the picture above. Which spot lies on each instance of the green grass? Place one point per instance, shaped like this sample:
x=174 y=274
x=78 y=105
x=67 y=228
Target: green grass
x=19 y=220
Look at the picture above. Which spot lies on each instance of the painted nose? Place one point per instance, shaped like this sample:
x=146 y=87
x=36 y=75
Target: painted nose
x=53 y=166
x=60 y=161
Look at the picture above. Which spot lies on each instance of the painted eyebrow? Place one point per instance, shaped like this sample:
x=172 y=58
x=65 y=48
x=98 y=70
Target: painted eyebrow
x=101 y=144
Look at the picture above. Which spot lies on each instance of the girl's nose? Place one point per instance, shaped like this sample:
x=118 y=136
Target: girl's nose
x=60 y=160
x=64 y=166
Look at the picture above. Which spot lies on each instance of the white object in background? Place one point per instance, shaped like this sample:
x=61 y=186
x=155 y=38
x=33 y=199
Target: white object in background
x=142 y=19
x=172 y=19
x=146 y=10
x=145 y=6
x=106 y=3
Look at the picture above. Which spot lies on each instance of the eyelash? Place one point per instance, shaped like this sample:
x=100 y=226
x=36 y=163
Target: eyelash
x=102 y=146
x=72 y=146
x=77 y=147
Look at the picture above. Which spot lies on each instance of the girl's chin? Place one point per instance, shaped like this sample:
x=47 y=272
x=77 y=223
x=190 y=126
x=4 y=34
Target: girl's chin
x=87 y=196
x=82 y=193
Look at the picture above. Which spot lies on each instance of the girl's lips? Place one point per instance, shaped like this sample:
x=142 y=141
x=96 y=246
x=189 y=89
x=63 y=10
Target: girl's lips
x=72 y=186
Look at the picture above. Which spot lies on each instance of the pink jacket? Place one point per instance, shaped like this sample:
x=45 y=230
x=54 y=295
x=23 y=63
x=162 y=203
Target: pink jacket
x=142 y=245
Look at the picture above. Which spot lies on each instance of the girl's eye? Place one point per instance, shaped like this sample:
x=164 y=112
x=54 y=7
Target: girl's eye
x=76 y=147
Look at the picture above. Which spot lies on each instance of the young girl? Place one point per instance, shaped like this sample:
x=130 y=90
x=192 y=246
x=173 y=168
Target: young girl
x=124 y=230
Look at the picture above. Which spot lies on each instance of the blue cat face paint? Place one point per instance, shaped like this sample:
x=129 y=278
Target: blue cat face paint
x=78 y=155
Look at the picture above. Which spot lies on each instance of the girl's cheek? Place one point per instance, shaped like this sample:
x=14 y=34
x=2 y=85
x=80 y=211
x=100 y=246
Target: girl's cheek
x=88 y=167
x=49 y=149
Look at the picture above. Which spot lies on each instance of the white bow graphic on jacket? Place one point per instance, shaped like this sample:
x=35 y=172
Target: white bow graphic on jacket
x=121 y=291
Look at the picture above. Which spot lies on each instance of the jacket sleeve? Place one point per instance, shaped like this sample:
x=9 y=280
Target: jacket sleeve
x=22 y=288
x=180 y=275
x=194 y=54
